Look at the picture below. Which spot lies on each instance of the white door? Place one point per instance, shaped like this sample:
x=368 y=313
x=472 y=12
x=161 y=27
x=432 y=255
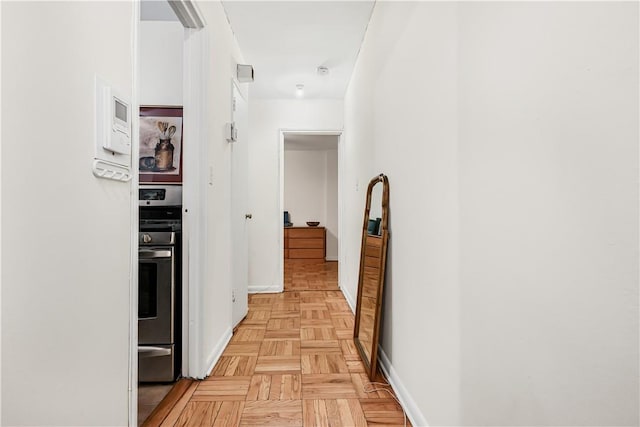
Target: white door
x=239 y=209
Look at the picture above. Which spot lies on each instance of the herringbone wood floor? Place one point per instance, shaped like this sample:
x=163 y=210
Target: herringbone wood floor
x=291 y=362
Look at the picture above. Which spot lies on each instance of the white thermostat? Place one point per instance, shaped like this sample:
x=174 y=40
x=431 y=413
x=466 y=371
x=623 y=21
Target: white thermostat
x=113 y=117
x=112 y=158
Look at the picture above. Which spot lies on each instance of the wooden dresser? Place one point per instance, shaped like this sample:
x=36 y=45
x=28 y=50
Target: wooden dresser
x=304 y=243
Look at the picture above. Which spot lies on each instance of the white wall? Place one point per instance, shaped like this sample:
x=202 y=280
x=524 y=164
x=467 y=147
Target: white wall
x=161 y=46
x=420 y=330
x=266 y=119
x=515 y=301
x=549 y=202
x=311 y=191
x=66 y=235
x=331 y=205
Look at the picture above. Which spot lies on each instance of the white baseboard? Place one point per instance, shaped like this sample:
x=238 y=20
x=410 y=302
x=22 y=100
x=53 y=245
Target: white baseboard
x=265 y=289
x=350 y=299
x=217 y=352
x=331 y=258
x=413 y=412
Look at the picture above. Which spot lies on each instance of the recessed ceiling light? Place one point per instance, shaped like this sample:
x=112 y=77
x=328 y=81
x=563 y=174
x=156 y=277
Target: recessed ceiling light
x=323 y=71
x=299 y=91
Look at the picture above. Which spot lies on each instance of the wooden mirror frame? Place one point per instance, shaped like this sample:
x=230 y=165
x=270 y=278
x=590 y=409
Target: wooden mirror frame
x=381 y=241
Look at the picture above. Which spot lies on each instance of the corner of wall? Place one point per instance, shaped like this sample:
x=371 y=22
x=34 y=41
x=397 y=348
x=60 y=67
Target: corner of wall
x=217 y=351
x=406 y=400
x=350 y=299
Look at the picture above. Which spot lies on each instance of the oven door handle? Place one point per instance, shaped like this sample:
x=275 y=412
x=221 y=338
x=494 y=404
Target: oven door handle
x=146 y=351
x=151 y=254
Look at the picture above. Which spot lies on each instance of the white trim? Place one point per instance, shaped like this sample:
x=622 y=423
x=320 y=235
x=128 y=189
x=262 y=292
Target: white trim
x=1 y=236
x=406 y=400
x=282 y=131
x=240 y=304
x=350 y=299
x=194 y=190
x=133 y=256
x=215 y=354
x=265 y=289
x=281 y=210
x=341 y=251
x=188 y=13
x=332 y=258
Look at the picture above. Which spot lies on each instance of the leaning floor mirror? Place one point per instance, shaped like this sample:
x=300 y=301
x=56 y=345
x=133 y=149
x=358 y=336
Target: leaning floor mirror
x=373 y=257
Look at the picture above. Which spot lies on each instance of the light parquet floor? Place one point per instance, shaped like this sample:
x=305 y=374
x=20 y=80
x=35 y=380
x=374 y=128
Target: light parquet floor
x=291 y=362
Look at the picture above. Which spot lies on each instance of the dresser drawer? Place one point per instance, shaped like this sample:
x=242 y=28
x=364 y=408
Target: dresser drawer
x=306 y=233
x=306 y=253
x=306 y=243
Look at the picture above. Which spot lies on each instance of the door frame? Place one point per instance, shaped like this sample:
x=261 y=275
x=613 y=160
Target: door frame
x=322 y=132
x=134 y=214
x=236 y=87
x=194 y=161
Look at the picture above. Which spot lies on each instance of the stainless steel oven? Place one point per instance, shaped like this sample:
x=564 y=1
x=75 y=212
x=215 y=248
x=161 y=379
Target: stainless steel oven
x=159 y=338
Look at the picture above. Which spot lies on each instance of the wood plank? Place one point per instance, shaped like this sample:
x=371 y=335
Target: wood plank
x=319 y=346
x=278 y=365
x=235 y=366
x=248 y=334
x=229 y=414
x=259 y=387
x=290 y=387
x=167 y=404
x=222 y=388
x=283 y=347
x=321 y=333
x=282 y=334
x=314 y=413
x=194 y=414
x=246 y=348
x=283 y=323
x=272 y=413
x=333 y=412
x=172 y=417
x=329 y=363
x=328 y=386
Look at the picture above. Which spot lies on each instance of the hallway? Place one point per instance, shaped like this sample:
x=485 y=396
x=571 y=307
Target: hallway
x=291 y=362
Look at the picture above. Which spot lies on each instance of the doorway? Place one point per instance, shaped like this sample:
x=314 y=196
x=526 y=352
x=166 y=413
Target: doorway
x=169 y=53
x=310 y=203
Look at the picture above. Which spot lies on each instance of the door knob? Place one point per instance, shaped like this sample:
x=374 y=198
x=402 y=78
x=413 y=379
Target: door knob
x=248 y=216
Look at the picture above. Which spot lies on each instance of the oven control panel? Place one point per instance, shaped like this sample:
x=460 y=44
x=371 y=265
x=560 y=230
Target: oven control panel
x=160 y=195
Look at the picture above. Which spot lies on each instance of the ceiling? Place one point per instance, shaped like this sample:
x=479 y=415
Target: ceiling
x=310 y=142
x=286 y=41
